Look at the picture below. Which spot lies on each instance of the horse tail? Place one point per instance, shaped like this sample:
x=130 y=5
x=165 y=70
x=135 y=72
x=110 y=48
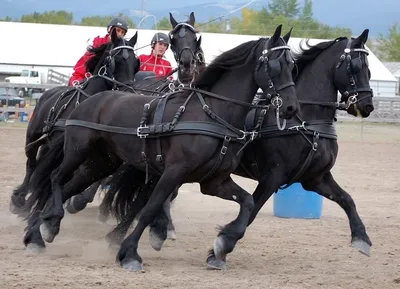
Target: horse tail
x=40 y=183
x=128 y=193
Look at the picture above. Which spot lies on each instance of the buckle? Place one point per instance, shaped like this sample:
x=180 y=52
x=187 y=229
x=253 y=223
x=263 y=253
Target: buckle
x=139 y=131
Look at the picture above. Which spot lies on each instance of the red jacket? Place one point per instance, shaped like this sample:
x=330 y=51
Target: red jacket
x=80 y=67
x=160 y=66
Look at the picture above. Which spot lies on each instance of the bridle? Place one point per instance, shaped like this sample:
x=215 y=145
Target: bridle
x=106 y=71
x=353 y=66
x=197 y=55
x=272 y=68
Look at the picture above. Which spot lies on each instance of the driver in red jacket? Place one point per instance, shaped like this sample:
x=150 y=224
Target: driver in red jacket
x=155 y=61
x=120 y=26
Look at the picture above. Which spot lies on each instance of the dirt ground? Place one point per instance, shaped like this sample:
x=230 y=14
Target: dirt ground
x=275 y=252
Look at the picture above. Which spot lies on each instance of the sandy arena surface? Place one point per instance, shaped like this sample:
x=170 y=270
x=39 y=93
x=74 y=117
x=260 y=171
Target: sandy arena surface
x=275 y=252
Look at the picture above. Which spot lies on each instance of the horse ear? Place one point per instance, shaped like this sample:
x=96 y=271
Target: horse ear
x=172 y=20
x=363 y=37
x=277 y=34
x=192 y=19
x=199 y=42
x=287 y=36
x=133 y=40
x=114 y=38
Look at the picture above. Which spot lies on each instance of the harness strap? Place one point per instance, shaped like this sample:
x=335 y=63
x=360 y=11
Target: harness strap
x=154 y=131
x=306 y=163
x=215 y=117
x=220 y=158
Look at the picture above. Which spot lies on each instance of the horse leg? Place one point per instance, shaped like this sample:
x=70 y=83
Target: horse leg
x=234 y=231
x=33 y=240
x=162 y=227
x=171 y=233
x=104 y=212
x=117 y=235
x=267 y=185
x=328 y=188
x=17 y=203
x=79 y=202
x=128 y=256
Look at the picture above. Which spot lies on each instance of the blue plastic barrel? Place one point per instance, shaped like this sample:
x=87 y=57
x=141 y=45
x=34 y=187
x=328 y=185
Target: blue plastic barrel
x=24 y=117
x=295 y=202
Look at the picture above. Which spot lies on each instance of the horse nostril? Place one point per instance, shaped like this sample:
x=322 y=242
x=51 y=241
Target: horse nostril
x=369 y=108
x=180 y=62
x=290 y=108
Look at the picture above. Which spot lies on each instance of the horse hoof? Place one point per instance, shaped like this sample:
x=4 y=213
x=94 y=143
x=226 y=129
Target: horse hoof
x=34 y=248
x=219 y=247
x=362 y=246
x=155 y=240
x=69 y=207
x=171 y=234
x=133 y=265
x=13 y=209
x=46 y=233
x=214 y=263
x=75 y=204
x=19 y=211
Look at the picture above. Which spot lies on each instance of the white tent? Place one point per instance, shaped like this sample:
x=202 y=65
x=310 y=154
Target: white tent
x=60 y=46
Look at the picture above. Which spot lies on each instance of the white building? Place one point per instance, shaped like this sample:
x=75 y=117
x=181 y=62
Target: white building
x=44 y=46
x=394 y=68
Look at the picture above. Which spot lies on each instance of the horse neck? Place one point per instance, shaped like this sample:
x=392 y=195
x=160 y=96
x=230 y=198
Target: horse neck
x=315 y=83
x=96 y=84
x=229 y=85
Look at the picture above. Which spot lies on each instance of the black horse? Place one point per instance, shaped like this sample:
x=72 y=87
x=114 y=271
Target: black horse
x=198 y=133
x=305 y=152
x=186 y=47
x=113 y=65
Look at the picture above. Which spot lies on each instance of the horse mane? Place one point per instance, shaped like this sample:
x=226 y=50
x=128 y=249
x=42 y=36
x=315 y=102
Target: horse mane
x=98 y=53
x=307 y=54
x=233 y=58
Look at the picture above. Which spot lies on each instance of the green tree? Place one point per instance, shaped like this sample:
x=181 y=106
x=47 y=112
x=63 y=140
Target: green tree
x=7 y=19
x=307 y=13
x=389 y=45
x=212 y=27
x=287 y=8
x=163 y=24
x=103 y=21
x=49 y=17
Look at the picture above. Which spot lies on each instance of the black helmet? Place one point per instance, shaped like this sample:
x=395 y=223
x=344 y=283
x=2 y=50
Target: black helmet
x=160 y=37
x=118 y=22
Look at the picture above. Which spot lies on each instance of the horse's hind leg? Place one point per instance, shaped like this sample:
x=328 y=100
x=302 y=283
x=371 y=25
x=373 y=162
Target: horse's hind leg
x=79 y=202
x=162 y=226
x=104 y=213
x=234 y=231
x=17 y=202
x=128 y=256
x=117 y=235
x=94 y=169
x=328 y=188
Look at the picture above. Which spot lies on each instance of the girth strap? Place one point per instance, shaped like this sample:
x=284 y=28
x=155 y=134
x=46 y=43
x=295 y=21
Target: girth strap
x=155 y=131
x=220 y=158
x=306 y=163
